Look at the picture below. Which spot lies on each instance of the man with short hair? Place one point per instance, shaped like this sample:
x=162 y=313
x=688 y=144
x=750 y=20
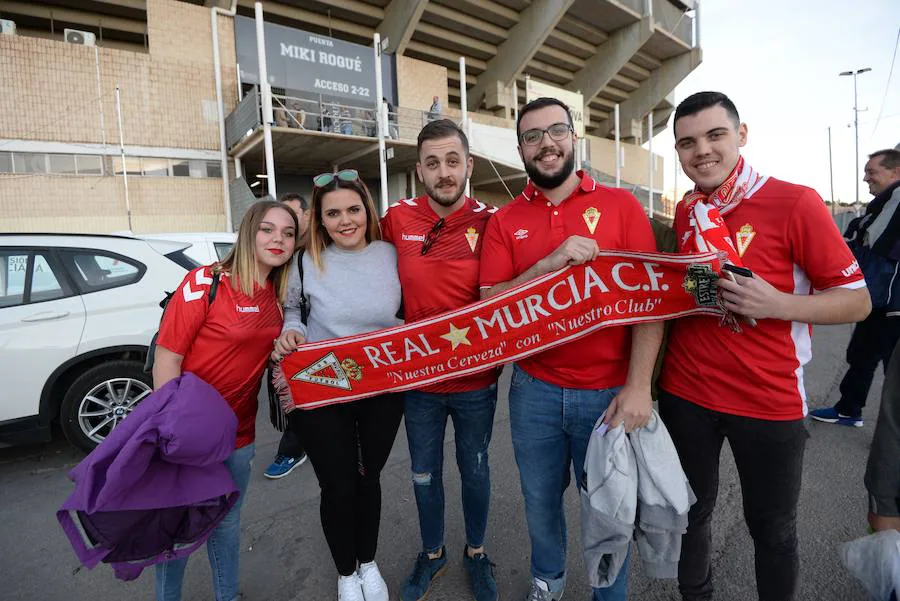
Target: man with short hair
x=874 y=239
x=745 y=383
x=564 y=217
x=439 y=237
x=291 y=454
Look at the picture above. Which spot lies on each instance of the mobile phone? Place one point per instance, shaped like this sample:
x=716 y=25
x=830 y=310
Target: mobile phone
x=730 y=270
x=738 y=270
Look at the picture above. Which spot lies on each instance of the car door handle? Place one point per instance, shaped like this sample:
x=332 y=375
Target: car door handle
x=46 y=316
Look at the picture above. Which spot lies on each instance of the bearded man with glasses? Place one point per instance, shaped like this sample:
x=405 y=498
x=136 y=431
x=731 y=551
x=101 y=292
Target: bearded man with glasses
x=563 y=217
x=439 y=237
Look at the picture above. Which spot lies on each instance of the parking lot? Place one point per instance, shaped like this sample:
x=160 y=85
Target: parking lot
x=284 y=555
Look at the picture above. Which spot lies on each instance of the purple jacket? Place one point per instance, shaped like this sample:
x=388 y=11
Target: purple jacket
x=155 y=489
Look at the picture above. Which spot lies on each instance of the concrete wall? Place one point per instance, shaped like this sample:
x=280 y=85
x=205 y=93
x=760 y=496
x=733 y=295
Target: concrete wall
x=59 y=203
x=635 y=168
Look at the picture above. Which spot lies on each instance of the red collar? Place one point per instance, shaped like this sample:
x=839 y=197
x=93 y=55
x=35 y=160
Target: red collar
x=587 y=184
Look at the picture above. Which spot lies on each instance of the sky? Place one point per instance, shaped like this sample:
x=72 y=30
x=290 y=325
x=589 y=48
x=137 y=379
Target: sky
x=779 y=60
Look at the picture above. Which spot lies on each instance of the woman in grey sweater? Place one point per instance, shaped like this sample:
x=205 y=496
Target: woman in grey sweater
x=350 y=286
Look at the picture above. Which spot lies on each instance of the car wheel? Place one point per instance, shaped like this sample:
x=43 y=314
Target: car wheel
x=100 y=399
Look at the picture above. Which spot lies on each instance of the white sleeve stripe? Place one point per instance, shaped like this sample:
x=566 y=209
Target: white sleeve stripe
x=849 y=286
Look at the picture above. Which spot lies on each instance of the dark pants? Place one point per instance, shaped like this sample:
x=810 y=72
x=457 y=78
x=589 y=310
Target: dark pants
x=337 y=438
x=769 y=459
x=291 y=444
x=872 y=342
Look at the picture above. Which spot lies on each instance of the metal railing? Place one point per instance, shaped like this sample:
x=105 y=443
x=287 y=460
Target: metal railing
x=347 y=119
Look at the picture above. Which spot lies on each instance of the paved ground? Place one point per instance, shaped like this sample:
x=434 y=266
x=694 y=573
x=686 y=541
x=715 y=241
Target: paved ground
x=285 y=557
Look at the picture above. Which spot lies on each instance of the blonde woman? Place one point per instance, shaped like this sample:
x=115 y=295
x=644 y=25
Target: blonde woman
x=226 y=342
x=351 y=286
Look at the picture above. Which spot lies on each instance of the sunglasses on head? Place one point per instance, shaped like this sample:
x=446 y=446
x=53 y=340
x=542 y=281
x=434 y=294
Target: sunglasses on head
x=345 y=175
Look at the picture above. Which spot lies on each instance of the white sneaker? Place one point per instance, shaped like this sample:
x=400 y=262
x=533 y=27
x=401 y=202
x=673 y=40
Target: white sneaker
x=373 y=585
x=350 y=588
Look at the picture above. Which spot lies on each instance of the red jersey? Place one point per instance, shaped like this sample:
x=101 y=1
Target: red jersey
x=226 y=343
x=530 y=228
x=784 y=234
x=446 y=277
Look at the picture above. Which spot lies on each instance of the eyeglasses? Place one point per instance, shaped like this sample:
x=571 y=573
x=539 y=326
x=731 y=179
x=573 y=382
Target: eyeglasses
x=432 y=235
x=558 y=132
x=346 y=175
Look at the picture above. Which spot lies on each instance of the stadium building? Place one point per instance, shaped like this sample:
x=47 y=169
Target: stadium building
x=149 y=115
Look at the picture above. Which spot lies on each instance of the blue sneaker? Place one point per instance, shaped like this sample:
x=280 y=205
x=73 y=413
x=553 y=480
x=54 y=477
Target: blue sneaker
x=423 y=575
x=830 y=415
x=481 y=576
x=284 y=465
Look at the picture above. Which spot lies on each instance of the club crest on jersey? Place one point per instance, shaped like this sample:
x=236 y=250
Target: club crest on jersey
x=328 y=371
x=744 y=237
x=472 y=237
x=591 y=217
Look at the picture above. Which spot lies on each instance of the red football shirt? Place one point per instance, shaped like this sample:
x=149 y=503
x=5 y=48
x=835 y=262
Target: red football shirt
x=446 y=277
x=786 y=236
x=226 y=343
x=530 y=228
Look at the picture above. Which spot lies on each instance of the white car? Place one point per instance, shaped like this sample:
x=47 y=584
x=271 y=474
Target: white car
x=205 y=247
x=77 y=313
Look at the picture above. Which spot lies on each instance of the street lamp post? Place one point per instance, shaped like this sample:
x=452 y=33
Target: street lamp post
x=855 y=122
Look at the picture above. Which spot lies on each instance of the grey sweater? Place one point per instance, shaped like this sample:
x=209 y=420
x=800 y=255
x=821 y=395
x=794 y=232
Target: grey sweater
x=355 y=292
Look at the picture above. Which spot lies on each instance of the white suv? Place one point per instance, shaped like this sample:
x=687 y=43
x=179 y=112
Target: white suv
x=76 y=315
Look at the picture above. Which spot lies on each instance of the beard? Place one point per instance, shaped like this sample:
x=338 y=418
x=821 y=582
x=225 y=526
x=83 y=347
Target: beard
x=551 y=180
x=446 y=197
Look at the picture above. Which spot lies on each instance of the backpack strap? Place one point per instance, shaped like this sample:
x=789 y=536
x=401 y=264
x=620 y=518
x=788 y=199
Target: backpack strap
x=304 y=304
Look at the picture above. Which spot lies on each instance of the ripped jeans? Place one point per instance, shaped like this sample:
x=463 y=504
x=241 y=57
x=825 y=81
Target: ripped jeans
x=426 y=415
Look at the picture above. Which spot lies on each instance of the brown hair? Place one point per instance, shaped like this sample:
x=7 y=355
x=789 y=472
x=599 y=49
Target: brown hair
x=318 y=239
x=241 y=261
x=890 y=157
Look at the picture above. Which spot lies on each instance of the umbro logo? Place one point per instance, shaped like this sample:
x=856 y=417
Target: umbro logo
x=521 y=234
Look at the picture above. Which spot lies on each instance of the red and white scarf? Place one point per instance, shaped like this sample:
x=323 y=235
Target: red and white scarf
x=708 y=231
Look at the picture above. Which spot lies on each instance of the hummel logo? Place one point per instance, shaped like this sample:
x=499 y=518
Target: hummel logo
x=521 y=234
x=241 y=309
x=413 y=237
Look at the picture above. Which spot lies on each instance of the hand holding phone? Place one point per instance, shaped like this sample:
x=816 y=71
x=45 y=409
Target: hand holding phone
x=730 y=271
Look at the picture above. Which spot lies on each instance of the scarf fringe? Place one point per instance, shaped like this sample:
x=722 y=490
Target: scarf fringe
x=282 y=389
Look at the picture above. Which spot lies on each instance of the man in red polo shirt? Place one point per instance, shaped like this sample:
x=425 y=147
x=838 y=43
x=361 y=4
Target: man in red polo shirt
x=563 y=218
x=747 y=385
x=439 y=237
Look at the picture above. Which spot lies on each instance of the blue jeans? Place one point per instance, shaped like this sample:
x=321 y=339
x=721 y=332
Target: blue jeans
x=551 y=427
x=472 y=413
x=223 y=547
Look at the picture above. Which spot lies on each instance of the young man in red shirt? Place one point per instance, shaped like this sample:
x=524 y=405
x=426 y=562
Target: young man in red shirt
x=439 y=238
x=563 y=218
x=747 y=385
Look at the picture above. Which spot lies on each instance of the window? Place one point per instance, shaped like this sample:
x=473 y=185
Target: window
x=155 y=167
x=89 y=164
x=132 y=165
x=44 y=284
x=29 y=162
x=13 y=267
x=6 y=164
x=94 y=271
x=21 y=272
x=62 y=163
x=222 y=249
x=181 y=168
x=213 y=169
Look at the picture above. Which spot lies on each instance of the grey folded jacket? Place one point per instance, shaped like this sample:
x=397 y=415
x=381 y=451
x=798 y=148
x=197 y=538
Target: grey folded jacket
x=633 y=484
